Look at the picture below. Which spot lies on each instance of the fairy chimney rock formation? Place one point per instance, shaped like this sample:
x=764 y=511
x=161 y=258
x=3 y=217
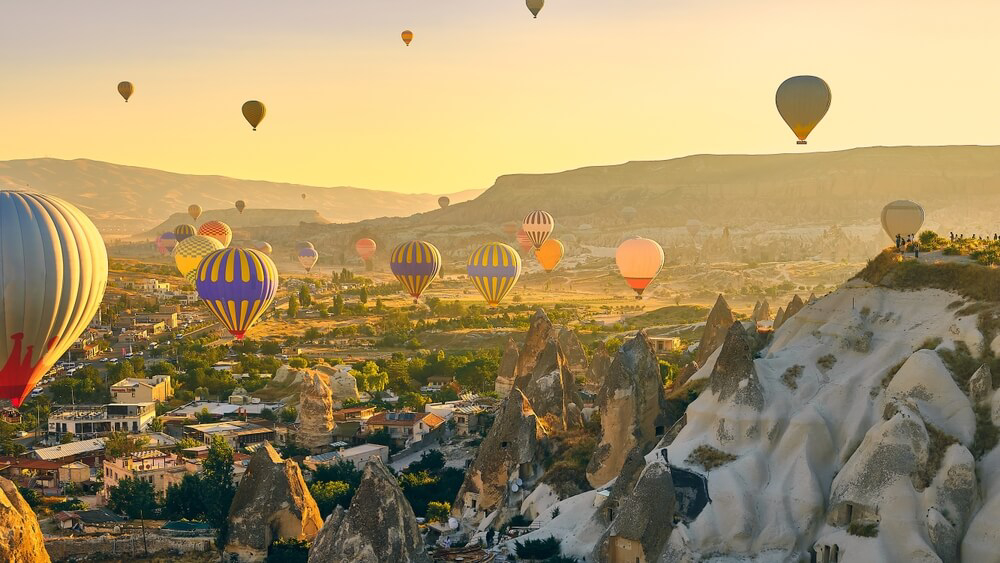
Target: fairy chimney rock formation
x=540 y=332
x=734 y=377
x=379 y=525
x=718 y=323
x=508 y=368
x=576 y=356
x=632 y=406
x=22 y=539
x=599 y=366
x=551 y=390
x=272 y=502
x=315 y=414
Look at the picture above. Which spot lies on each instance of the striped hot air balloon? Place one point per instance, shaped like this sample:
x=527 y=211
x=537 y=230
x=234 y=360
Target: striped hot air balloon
x=538 y=226
x=308 y=258
x=365 y=248
x=53 y=273
x=415 y=264
x=494 y=269
x=238 y=285
x=182 y=232
x=194 y=210
x=523 y=241
x=407 y=36
x=217 y=230
x=189 y=252
x=639 y=261
x=165 y=243
x=240 y=205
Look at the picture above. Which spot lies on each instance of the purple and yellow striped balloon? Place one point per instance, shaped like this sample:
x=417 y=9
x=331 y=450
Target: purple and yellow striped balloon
x=494 y=268
x=415 y=264
x=238 y=285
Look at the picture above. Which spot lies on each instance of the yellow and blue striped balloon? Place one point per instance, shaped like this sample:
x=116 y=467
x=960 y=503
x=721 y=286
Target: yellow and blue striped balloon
x=238 y=285
x=494 y=269
x=415 y=264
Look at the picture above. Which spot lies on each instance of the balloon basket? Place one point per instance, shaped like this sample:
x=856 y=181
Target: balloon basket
x=801 y=143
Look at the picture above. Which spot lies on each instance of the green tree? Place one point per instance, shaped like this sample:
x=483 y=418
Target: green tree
x=8 y=432
x=217 y=478
x=327 y=494
x=293 y=307
x=304 y=297
x=268 y=414
x=363 y=295
x=438 y=511
x=288 y=415
x=132 y=497
x=185 y=500
x=67 y=438
x=538 y=549
x=122 y=444
x=156 y=425
x=337 y=308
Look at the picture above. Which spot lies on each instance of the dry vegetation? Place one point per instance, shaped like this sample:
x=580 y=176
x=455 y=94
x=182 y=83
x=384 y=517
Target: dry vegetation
x=709 y=458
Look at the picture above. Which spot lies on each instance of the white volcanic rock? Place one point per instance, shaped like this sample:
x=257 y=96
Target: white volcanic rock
x=924 y=381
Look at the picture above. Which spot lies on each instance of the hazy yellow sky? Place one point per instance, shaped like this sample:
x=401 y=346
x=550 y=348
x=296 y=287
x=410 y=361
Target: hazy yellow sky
x=484 y=89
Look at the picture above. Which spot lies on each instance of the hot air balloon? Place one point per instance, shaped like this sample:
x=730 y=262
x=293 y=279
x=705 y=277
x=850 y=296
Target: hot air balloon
x=639 y=261
x=264 y=247
x=189 y=252
x=494 y=269
x=126 y=89
x=238 y=285
x=217 y=230
x=511 y=228
x=693 y=227
x=165 y=243
x=415 y=264
x=407 y=37
x=254 y=112
x=365 y=248
x=303 y=196
x=308 y=258
x=182 y=232
x=535 y=6
x=444 y=201
x=523 y=241
x=538 y=226
x=802 y=102
x=550 y=254
x=194 y=210
x=52 y=278
x=304 y=244
x=241 y=205
x=903 y=218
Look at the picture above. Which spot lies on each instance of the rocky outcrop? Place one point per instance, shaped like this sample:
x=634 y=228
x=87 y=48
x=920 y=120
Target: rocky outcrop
x=508 y=369
x=981 y=384
x=779 y=318
x=540 y=331
x=315 y=414
x=761 y=312
x=794 y=306
x=718 y=323
x=643 y=520
x=576 y=356
x=685 y=375
x=343 y=385
x=599 y=366
x=632 y=406
x=22 y=538
x=379 y=525
x=551 y=390
x=515 y=448
x=734 y=377
x=272 y=502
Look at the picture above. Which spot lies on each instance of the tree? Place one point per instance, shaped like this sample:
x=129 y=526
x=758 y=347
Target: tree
x=121 y=444
x=304 y=297
x=337 y=308
x=67 y=438
x=298 y=363
x=438 y=511
x=293 y=307
x=217 y=478
x=431 y=461
x=156 y=425
x=288 y=415
x=379 y=306
x=327 y=494
x=185 y=500
x=134 y=498
x=8 y=432
x=268 y=414
x=538 y=549
x=363 y=295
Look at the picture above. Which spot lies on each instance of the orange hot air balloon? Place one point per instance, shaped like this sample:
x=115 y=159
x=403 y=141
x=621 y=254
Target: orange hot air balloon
x=511 y=227
x=365 y=248
x=407 y=37
x=639 y=261
x=550 y=254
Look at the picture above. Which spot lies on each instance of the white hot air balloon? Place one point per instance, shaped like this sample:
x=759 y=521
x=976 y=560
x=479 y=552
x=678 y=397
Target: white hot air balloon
x=903 y=218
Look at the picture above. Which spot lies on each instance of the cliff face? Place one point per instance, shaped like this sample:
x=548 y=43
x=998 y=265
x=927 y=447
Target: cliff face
x=379 y=526
x=515 y=448
x=272 y=502
x=632 y=406
x=21 y=539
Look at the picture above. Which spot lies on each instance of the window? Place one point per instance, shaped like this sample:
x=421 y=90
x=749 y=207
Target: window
x=659 y=431
x=503 y=444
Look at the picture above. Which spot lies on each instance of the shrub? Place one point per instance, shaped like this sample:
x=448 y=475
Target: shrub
x=827 y=362
x=987 y=434
x=863 y=529
x=709 y=457
x=538 y=549
x=791 y=376
x=939 y=443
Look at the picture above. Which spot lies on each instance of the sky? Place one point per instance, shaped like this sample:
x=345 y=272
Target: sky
x=484 y=89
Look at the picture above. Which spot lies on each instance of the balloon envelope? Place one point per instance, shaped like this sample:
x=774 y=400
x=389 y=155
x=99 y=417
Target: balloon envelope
x=407 y=37
x=308 y=258
x=365 y=248
x=415 y=264
x=523 y=241
x=444 y=201
x=189 y=252
x=803 y=102
x=254 y=112
x=53 y=274
x=550 y=254
x=494 y=268
x=241 y=205
x=535 y=6
x=194 y=211
x=126 y=89
x=238 y=285
x=639 y=261
x=305 y=244
x=165 y=243
x=182 y=232
x=693 y=227
x=264 y=247
x=903 y=218
x=217 y=230
x=538 y=225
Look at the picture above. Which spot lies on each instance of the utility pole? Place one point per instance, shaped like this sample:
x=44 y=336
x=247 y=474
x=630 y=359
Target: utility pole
x=142 y=521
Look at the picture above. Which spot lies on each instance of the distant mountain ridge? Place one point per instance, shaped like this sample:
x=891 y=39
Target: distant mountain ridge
x=125 y=200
